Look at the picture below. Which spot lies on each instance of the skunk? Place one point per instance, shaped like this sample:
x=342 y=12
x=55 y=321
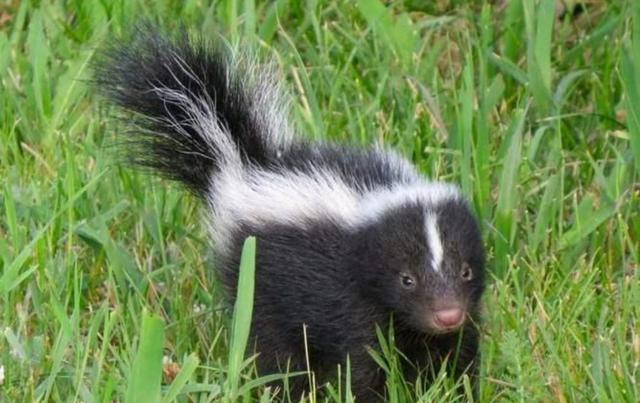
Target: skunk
x=349 y=239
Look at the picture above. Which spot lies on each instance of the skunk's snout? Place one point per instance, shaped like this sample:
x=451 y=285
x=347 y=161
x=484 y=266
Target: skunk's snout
x=448 y=314
x=449 y=318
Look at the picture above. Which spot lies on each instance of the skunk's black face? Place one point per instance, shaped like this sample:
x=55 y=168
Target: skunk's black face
x=426 y=265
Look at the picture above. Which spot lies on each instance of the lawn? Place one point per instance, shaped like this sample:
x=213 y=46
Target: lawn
x=107 y=291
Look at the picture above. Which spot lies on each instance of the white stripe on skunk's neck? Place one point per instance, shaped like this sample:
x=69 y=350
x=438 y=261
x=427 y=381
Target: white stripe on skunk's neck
x=429 y=194
x=259 y=197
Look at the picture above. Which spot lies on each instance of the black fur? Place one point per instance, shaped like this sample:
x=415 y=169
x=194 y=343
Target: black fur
x=338 y=280
x=342 y=284
x=361 y=169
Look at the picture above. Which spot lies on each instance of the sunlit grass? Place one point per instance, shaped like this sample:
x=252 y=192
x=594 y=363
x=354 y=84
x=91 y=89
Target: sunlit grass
x=537 y=118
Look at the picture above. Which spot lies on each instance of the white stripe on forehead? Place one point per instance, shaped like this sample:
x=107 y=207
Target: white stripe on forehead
x=433 y=241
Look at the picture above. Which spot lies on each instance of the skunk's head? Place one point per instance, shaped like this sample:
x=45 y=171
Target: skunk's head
x=425 y=263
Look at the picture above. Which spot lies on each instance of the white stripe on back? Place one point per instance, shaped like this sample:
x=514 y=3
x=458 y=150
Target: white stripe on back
x=259 y=197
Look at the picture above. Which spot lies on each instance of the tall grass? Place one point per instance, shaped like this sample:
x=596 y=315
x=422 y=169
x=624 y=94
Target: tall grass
x=106 y=279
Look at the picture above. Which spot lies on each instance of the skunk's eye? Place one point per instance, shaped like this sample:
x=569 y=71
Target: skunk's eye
x=407 y=280
x=466 y=272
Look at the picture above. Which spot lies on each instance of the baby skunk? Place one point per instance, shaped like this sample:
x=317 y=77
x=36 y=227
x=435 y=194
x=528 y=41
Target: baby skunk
x=348 y=239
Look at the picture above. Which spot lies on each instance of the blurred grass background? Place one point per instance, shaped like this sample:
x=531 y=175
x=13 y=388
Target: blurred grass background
x=532 y=106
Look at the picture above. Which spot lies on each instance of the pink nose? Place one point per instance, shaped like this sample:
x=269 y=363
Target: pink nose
x=449 y=318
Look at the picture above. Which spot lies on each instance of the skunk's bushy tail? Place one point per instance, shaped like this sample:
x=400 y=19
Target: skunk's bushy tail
x=197 y=109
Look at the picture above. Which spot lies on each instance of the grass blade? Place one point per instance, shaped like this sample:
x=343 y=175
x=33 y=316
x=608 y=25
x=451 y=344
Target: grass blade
x=539 y=23
x=548 y=208
x=587 y=220
x=508 y=192
x=178 y=384
x=397 y=32
x=242 y=313
x=146 y=374
x=11 y=275
x=631 y=84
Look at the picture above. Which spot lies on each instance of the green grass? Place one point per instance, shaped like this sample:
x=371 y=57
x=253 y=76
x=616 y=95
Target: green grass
x=103 y=270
